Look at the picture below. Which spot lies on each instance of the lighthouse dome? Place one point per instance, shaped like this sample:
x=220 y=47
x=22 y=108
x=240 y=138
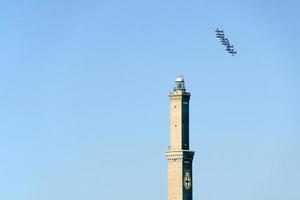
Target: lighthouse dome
x=179 y=78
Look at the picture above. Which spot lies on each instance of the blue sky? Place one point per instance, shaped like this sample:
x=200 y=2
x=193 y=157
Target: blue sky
x=84 y=105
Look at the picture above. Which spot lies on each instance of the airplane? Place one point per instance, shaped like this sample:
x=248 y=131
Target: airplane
x=225 y=41
x=220 y=35
x=229 y=49
x=219 y=31
x=232 y=52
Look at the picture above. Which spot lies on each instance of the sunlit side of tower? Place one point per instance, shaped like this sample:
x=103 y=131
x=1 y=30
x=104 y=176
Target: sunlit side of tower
x=179 y=156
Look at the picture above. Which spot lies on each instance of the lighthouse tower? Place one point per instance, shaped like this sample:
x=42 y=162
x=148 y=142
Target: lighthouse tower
x=180 y=158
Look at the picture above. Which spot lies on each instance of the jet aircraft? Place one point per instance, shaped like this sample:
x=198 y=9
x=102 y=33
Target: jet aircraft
x=232 y=52
x=225 y=42
x=219 y=31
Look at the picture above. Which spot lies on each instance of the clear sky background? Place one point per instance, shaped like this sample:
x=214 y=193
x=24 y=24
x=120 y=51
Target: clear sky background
x=84 y=106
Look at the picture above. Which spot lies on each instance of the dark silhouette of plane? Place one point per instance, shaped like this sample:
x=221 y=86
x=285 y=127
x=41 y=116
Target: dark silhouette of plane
x=225 y=42
x=230 y=47
x=219 y=31
x=232 y=52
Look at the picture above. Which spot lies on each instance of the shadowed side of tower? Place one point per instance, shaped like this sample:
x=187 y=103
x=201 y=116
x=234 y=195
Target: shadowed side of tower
x=180 y=158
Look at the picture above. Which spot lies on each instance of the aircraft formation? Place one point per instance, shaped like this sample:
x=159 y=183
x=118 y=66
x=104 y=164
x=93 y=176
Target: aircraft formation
x=224 y=41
